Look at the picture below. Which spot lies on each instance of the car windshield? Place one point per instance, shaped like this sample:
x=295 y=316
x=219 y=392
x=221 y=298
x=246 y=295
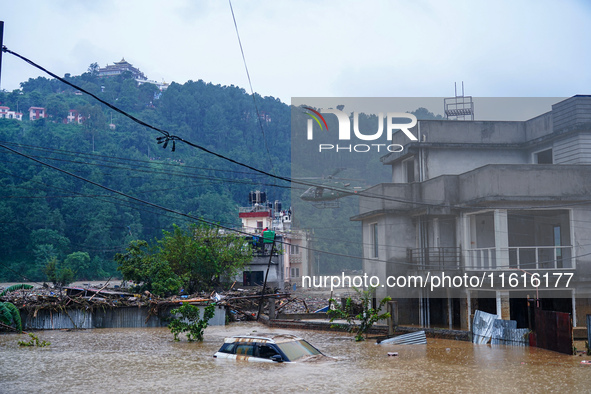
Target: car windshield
x=297 y=349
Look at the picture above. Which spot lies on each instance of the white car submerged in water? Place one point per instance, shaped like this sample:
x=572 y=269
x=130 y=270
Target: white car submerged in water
x=268 y=348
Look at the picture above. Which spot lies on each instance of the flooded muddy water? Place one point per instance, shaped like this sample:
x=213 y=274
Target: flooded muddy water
x=148 y=360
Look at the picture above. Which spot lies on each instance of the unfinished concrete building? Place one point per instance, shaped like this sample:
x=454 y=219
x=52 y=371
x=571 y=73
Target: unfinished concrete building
x=487 y=199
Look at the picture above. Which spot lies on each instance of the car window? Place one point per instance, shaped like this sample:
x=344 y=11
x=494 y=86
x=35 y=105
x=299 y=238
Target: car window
x=297 y=349
x=266 y=351
x=245 y=349
x=228 y=348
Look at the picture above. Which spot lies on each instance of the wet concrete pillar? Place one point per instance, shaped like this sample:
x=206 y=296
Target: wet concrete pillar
x=392 y=309
x=465 y=312
x=503 y=306
x=501 y=238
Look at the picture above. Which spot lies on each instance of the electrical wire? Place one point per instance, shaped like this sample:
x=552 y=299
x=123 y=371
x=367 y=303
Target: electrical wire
x=167 y=137
x=251 y=89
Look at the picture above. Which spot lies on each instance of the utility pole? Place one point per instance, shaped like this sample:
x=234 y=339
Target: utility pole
x=265 y=283
x=1 y=46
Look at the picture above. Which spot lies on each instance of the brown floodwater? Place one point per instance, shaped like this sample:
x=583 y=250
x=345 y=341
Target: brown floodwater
x=148 y=360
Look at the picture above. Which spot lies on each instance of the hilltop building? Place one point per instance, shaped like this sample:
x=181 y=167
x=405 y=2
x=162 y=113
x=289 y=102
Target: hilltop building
x=122 y=66
x=37 y=113
x=261 y=218
x=486 y=198
x=6 y=113
x=74 y=117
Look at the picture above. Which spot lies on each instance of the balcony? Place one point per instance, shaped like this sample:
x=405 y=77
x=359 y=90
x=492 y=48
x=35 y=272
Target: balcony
x=439 y=258
x=522 y=257
x=254 y=208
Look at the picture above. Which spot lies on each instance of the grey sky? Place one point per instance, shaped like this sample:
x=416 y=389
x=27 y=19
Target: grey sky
x=315 y=48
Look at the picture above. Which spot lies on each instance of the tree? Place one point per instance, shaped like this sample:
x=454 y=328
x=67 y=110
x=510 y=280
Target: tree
x=196 y=258
x=142 y=265
x=9 y=313
x=79 y=263
x=187 y=320
x=10 y=316
x=58 y=274
x=93 y=69
x=57 y=108
x=202 y=256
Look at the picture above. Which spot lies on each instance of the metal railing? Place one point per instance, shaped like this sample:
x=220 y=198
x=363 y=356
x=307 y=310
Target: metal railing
x=254 y=208
x=481 y=259
x=520 y=257
x=541 y=257
x=442 y=258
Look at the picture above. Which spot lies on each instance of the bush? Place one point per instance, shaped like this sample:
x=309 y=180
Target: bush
x=366 y=318
x=187 y=320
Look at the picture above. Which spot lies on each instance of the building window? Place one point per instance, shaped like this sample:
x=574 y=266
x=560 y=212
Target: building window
x=409 y=170
x=373 y=236
x=543 y=157
x=259 y=225
x=295 y=272
x=294 y=249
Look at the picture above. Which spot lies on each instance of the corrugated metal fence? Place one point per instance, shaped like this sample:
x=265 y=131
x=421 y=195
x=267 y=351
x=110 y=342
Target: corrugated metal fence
x=487 y=326
x=554 y=331
x=125 y=317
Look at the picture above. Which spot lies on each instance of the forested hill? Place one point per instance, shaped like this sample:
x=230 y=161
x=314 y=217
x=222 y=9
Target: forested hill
x=45 y=213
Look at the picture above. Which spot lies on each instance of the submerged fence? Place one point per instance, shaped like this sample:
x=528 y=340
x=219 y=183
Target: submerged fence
x=488 y=327
x=99 y=317
x=554 y=331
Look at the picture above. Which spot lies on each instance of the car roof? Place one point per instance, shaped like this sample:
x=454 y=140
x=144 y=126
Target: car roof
x=263 y=338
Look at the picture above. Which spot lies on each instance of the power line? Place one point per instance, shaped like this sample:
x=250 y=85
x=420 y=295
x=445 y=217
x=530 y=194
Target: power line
x=180 y=213
x=167 y=137
x=251 y=89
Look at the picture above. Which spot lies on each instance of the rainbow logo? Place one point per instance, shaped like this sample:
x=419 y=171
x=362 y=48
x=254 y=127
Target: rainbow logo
x=316 y=119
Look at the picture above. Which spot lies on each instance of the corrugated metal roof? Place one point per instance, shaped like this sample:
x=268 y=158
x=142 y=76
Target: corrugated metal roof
x=413 y=338
x=482 y=327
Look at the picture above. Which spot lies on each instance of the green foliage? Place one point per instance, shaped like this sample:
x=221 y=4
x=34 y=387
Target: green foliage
x=359 y=323
x=58 y=274
x=202 y=256
x=48 y=214
x=10 y=315
x=19 y=286
x=143 y=265
x=34 y=342
x=195 y=258
x=79 y=264
x=187 y=320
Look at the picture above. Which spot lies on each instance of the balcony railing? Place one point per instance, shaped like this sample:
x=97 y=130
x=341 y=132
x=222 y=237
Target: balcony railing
x=439 y=258
x=521 y=257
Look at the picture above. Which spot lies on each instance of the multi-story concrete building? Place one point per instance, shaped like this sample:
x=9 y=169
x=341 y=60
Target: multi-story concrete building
x=489 y=199
x=37 y=113
x=6 y=113
x=74 y=117
x=293 y=246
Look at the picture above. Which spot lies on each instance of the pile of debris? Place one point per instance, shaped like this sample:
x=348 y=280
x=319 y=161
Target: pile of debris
x=241 y=304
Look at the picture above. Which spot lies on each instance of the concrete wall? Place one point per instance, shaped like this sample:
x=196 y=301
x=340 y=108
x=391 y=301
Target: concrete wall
x=526 y=182
x=571 y=112
x=438 y=162
x=539 y=127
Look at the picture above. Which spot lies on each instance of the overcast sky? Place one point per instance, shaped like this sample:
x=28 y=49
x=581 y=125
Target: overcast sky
x=315 y=48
